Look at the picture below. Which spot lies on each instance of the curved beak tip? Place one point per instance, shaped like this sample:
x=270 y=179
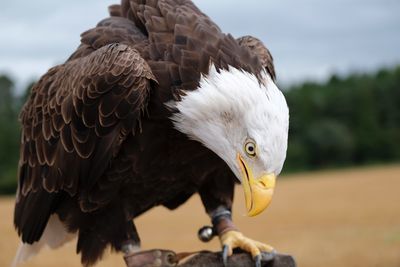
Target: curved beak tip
x=260 y=195
x=258 y=192
x=260 y=202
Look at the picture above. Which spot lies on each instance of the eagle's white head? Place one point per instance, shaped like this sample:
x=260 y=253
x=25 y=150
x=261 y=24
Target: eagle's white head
x=244 y=123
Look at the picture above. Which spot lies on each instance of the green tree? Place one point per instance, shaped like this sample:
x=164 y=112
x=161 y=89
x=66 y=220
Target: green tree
x=345 y=121
x=9 y=135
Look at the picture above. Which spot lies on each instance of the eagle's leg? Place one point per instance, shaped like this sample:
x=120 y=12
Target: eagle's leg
x=135 y=258
x=129 y=247
x=231 y=238
x=131 y=244
x=217 y=197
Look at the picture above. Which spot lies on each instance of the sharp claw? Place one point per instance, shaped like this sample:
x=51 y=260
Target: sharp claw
x=257 y=260
x=225 y=251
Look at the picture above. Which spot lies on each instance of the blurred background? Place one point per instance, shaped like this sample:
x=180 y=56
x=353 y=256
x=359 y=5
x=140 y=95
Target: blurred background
x=338 y=63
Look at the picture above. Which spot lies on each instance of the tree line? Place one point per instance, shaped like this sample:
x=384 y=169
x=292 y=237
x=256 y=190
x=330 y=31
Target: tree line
x=353 y=120
x=345 y=121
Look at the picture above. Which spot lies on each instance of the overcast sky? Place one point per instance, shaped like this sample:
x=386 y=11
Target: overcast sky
x=309 y=39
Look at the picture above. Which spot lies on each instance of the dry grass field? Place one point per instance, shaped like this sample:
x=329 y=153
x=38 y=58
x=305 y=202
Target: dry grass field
x=325 y=219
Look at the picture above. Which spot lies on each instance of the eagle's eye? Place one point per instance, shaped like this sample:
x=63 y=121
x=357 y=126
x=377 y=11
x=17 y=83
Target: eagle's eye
x=250 y=148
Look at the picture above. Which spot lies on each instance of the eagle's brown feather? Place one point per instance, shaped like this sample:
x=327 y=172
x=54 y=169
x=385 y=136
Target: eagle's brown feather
x=78 y=115
x=259 y=49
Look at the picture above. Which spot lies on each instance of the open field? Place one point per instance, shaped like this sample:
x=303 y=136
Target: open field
x=325 y=219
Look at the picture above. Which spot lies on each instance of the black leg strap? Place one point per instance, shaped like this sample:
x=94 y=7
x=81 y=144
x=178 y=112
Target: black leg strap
x=222 y=222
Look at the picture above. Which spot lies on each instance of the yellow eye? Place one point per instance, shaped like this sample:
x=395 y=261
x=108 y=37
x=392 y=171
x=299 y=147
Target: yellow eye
x=250 y=148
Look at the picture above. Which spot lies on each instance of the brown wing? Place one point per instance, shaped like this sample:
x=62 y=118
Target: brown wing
x=73 y=125
x=111 y=30
x=183 y=41
x=258 y=48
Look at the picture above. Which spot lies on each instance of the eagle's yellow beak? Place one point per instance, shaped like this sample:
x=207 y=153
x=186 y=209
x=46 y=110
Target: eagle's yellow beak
x=258 y=191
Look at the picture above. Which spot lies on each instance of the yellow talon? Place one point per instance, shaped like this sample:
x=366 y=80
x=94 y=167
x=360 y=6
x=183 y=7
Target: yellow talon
x=235 y=239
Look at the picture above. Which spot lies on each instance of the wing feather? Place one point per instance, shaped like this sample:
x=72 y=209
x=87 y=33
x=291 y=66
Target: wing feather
x=73 y=125
x=185 y=40
x=259 y=49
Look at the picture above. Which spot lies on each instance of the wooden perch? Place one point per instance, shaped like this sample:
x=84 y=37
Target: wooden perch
x=237 y=260
x=166 y=258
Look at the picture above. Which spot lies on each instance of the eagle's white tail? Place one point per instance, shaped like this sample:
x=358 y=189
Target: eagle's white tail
x=54 y=236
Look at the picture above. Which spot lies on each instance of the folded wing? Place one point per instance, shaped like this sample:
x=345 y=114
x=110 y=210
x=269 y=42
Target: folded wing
x=73 y=126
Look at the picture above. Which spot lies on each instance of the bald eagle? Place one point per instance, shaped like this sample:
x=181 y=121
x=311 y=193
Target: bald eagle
x=155 y=105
